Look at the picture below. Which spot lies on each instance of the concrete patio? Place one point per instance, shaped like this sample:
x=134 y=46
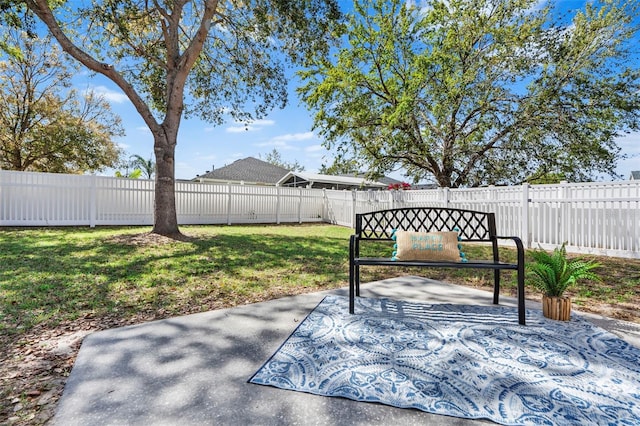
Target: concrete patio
x=193 y=370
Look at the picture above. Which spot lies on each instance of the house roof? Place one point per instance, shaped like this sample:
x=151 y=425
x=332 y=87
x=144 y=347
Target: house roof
x=247 y=170
x=635 y=175
x=340 y=181
x=251 y=170
x=382 y=179
x=388 y=180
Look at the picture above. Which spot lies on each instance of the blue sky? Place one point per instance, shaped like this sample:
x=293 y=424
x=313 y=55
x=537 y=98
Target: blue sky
x=202 y=146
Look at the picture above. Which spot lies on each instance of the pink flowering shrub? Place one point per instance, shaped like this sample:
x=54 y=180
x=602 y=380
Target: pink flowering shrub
x=403 y=185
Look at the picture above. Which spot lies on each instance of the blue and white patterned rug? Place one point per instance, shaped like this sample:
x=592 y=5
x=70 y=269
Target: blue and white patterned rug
x=463 y=361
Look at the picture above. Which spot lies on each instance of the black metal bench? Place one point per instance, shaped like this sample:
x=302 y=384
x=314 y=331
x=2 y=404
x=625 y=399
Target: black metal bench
x=473 y=226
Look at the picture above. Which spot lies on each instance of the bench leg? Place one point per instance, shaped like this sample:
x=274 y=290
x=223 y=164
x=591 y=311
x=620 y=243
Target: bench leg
x=351 y=287
x=521 y=306
x=496 y=286
x=354 y=285
x=496 y=292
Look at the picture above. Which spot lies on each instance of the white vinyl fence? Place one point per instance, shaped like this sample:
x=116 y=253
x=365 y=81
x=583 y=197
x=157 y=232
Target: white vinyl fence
x=596 y=218
x=47 y=199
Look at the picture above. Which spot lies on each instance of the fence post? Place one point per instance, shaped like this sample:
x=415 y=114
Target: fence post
x=325 y=206
x=526 y=240
x=228 y=203
x=564 y=212
x=277 y=204
x=353 y=208
x=300 y=204
x=445 y=197
x=493 y=199
x=93 y=200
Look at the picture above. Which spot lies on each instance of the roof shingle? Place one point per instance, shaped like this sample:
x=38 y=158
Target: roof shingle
x=250 y=170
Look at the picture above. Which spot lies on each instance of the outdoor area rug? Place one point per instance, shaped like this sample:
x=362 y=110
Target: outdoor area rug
x=463 y=361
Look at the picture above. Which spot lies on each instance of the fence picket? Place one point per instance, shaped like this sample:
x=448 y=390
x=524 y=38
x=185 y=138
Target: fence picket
x=597 y=218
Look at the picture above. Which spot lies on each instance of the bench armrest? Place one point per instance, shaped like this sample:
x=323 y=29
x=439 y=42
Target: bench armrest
x=519 y=246
x=520 y=263
x=354 y=246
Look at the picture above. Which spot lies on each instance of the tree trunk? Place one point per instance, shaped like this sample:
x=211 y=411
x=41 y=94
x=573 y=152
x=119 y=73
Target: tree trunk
x=165 y=216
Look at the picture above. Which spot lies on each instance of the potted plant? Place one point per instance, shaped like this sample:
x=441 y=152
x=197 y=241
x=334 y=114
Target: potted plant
x=553 y=273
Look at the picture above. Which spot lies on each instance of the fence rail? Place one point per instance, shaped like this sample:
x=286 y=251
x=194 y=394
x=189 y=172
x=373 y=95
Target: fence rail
x=596 y=218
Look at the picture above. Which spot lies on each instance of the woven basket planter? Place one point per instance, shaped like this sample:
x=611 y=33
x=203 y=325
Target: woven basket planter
x=556 y=308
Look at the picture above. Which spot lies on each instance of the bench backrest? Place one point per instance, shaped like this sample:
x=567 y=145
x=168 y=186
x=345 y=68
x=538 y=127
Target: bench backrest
x=472 y=225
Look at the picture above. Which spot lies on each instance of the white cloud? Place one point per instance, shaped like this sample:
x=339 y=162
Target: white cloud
x=250 y=127
x=286 y=141
x=240 y=129
x=315 y=148
x=263 y=123
x=110 y=95
x=294 y=137
x=274 y=144
x=144 y=129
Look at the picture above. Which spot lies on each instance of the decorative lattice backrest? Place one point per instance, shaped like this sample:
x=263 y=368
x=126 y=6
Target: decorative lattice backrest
x=473 y=225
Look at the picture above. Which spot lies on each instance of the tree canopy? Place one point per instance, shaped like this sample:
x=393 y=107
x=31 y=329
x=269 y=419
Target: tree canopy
x=207 y=58
x=274 y=157
x=340 y=167
x=473 y=92
x=45 y=125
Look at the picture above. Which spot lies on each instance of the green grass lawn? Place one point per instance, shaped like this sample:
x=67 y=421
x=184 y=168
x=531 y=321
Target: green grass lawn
x=49 y=275
x=59 y=274
x=55 y=282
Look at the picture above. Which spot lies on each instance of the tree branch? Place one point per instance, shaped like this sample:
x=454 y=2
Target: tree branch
x=43 y=11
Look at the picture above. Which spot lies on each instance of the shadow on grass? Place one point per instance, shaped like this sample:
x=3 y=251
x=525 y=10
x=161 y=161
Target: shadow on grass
x=50 y=276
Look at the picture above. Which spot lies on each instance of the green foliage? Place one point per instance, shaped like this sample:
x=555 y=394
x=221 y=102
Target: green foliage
x=275 y=158
x=136 y=167
x=341 y=166
x=10 y=18
x=229 y=58
x=546 y=178
x=45 y=125
x=146 y=167
x=133 y=174
x=554 y=273
x=469 y=92
x=207 y=58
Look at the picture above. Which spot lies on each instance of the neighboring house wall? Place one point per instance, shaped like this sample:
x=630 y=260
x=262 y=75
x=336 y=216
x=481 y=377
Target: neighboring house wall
x=635 y=175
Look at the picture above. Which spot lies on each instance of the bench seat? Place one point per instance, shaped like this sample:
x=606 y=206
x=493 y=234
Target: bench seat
x=477 y=264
